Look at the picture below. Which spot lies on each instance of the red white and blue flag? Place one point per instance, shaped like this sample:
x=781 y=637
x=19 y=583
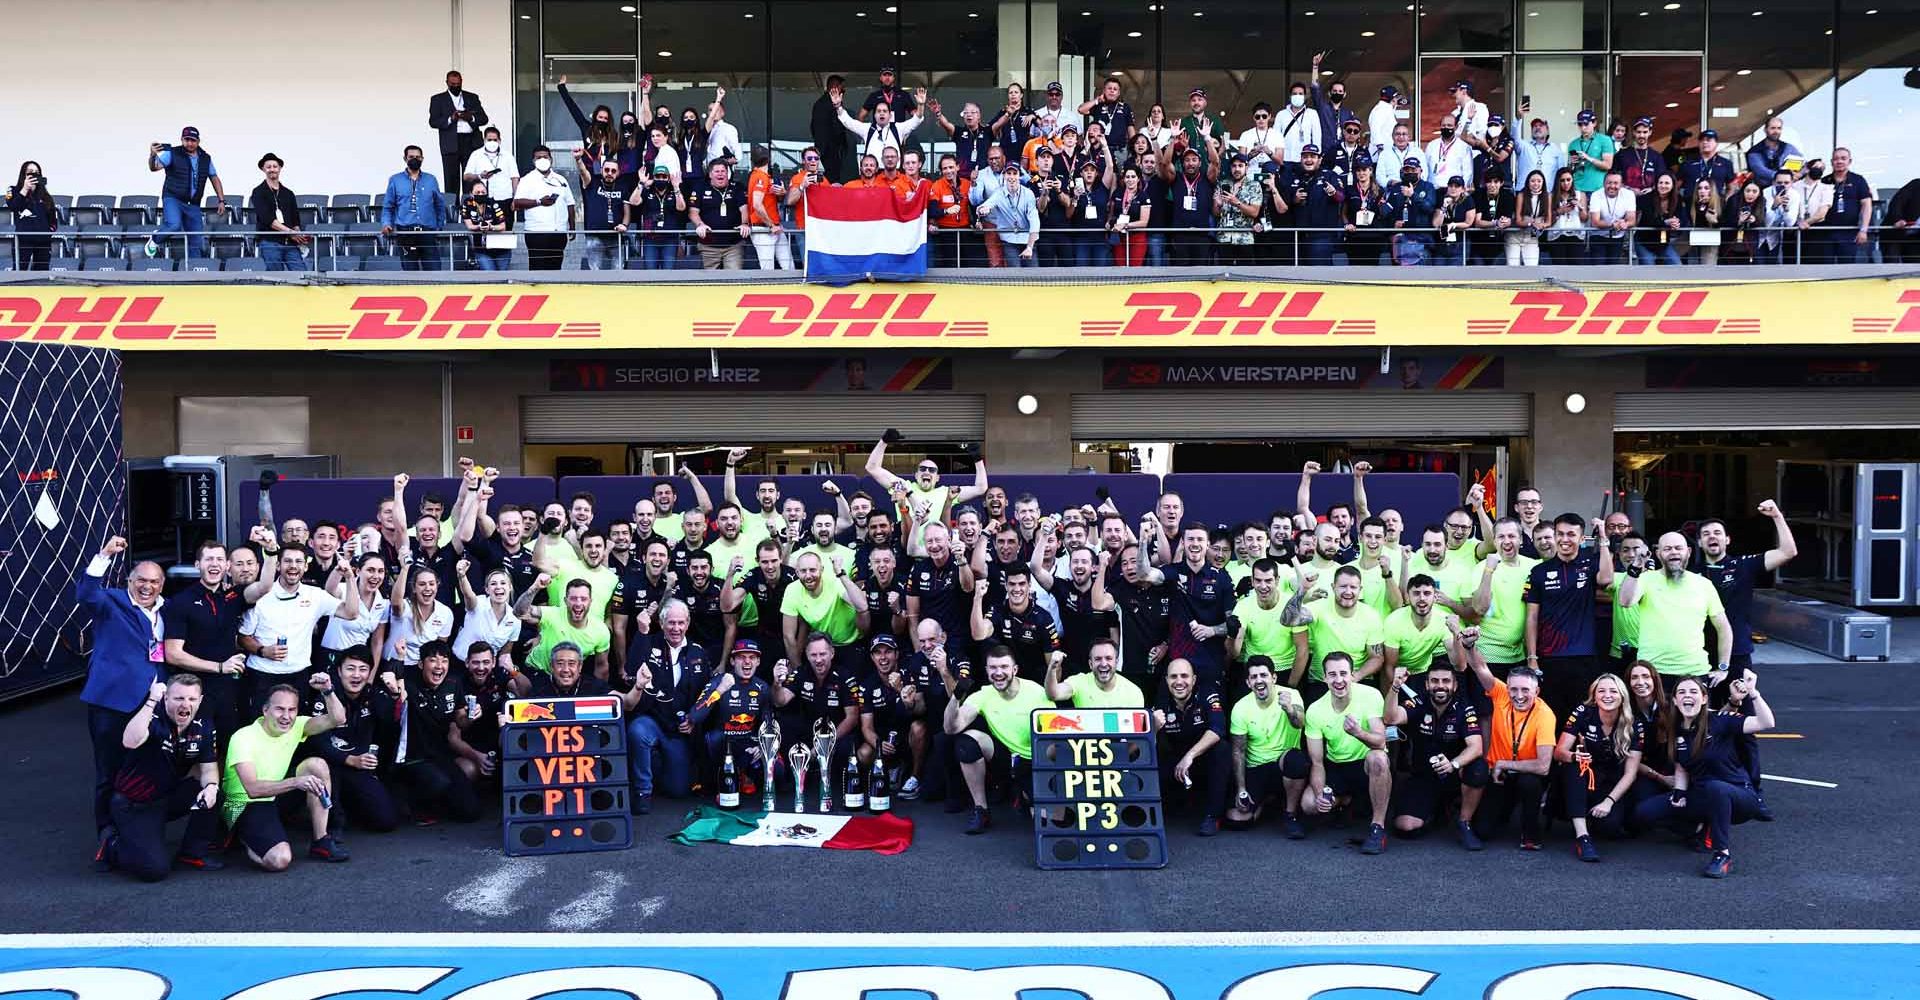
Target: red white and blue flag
x=866 y=233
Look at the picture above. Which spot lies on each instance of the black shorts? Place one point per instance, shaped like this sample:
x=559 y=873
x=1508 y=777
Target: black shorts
x=1424 y=795
x=258 y=827
x=1348 y=778
x=1265 y=780
x=1010 y=767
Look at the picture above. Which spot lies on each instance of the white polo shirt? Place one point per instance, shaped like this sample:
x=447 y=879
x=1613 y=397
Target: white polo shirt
x=405 y=636
x=343 y=634
x=1610 y=210
x=290 y=615
x=545 y=218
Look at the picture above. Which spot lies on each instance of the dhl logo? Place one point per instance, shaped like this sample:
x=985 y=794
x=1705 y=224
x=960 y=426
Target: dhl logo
x=845 y=315
x=1551 y=313
x=1234 y=314
x=89 y=318
x=1907 y=322
x=455 y=317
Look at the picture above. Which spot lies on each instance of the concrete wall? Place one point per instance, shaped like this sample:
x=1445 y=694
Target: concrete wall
x=335 y=88
x=1571 y=458
x=1016 y=442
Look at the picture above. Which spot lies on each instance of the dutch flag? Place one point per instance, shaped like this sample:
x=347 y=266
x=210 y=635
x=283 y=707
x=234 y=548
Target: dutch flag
x=866 y=233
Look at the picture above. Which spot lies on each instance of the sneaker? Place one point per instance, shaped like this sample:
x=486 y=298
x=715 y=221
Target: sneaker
x=641 y=805
x=1209 y=827
x=1584 y=850
x=910 y=789
x=1468 y=839
x=152 y=248
x=422 y=819
x=199 y=863
x=1719 y=866
x=1376 y=841
x=328 y=849
x=103 y=851
x=979 y=822
x=1529 y=844
x=1700 y=841
x=1295 y=829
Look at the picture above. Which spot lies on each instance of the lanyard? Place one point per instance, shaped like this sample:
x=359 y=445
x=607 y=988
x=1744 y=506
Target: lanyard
x=1519 y=729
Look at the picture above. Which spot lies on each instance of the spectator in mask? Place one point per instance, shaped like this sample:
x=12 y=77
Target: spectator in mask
x=457 y=115
x=34 y=218
x=599 y=140
x=1816 y=200
x=662 y=217
x=411 y=212
x=606 y=217
x=547 y=201
x=495 y=165
x=276 y=215
x=487 y=218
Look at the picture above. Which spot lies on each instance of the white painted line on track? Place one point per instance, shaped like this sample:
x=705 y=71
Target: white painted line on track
x=1799 y=781
x=733 y=942
x=491 y=894
x=591 y=908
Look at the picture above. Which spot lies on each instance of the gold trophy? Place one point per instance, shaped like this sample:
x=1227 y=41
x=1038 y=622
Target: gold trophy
x=824 y=738
x=798 y=757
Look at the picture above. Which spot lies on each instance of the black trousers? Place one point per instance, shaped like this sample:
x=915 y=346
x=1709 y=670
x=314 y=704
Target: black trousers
x=438 y=784
x=546 y=251
x=104 y=729
x=1567 y=679
x=364 y=801
x=1522 y=791
x=142 y=849
x=1212 y=774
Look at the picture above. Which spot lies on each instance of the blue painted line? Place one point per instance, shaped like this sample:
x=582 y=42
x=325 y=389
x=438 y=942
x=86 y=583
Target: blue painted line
x=857 y=967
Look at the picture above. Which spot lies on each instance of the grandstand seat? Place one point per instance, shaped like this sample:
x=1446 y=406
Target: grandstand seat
x=150 y=264
x=104 y=264
x=344 y=262
x=348 y=208
x=381 y=264
x=313 y=209
x=63 y=264
x=138 y=210
x=243 y=264
x=92 y=209
x=62 y=203
x=209 y=207
x=363 y=239
x=228 y=239
x=201 y=264
x=328 y=238
x=98 y=240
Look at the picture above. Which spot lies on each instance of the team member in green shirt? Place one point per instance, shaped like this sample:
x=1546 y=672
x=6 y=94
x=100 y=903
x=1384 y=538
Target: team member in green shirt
x=1256 y=628
x=1101 y=686
x=1500 y=602
x=1675 y=605
x=1461 y=545
x=1376 y=565
x=732 y=541
x=820 y=541
x=570 y=622
x=1007 y=705
x=1453 y=579
x=553 y=556
x=1346 y=739
x=837 y=609
x=1414 y=634
x=259 y=760
x=1265 y=727
x=1625 y=646
x=1336 y=624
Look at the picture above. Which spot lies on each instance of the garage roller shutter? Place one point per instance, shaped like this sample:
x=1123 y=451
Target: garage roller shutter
x=772 y=416
x=1778 y=409
x=1190 y=416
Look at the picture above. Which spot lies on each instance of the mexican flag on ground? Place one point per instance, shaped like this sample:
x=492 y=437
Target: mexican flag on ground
x=885 y=833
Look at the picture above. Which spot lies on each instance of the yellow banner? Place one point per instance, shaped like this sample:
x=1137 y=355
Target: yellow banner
x=1230 y=314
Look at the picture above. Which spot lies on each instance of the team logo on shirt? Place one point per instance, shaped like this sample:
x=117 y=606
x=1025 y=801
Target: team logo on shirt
x=1552 y=313
x=444 y=317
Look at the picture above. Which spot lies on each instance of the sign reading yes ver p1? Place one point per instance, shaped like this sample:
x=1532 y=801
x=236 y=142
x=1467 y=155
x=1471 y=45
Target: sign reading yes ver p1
x=1096 y=789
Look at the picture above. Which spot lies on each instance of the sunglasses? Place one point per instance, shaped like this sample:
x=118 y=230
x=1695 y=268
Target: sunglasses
x=929 y=468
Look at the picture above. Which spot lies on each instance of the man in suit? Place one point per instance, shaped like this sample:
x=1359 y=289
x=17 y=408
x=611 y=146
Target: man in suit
x=458 y=116
x=128 y=657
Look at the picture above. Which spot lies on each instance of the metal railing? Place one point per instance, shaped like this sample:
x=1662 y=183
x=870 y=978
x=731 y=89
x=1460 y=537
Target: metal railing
x=104 y=249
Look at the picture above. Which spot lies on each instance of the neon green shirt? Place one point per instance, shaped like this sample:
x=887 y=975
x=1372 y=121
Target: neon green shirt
x=1323 y=720
x=1262 y=632
x=1673 y=615
x=1417 y=645
x=827 y=611
x=827 y=554
x=723 y=552
x=1237 y=571
x=270 y=756
x=1373 y=588
x=668 y=526
x=555 y=629
x=1626 y=621
x=1010 y=719
x=568 y=567
x=1268 y=731
x=1503 y=630
x=1088 y=694
x=1352 y=634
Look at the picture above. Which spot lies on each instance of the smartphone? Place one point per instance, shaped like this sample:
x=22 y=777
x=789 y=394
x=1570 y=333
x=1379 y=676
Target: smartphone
x=1526 y=103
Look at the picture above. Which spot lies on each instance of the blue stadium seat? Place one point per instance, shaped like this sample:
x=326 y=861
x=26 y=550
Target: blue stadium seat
x=138 y=210
x=105 y=264
x=92 y=209
x=200 y=264
x=363 y=239
x=313 y=209
x=348 y=208
x=228 y=239
x=381 y=264
x=328 y=238
x=63 y=264
x=243 y=264
x=153 y=264
x=100 y=240
x=61 y=204
x=209 y=207
x=340 y=263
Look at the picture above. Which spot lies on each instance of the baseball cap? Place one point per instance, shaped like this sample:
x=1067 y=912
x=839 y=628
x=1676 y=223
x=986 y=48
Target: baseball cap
x=884 y=639
x=1389 y=93
x=747 y=646
x=1363 y=160
x=190 y=133
x=1466 y=85
x=1646 y=120
x=1310 y=148
x=1197 y=92
x=1069 y=127
x=1413 y=161
x=1456 y=181
x=1238 y=158
x=1537 y=121
x=1055 y=88
x=1496 y=120
x=886 y=69
x=662 y=170
x=1586 y=116
x=1707 y=133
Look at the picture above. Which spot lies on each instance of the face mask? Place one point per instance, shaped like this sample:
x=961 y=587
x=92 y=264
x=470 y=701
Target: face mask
x=1446 y=133
x=688 y=122
x=1816 y=172
x=543 y=164
x=453 y=88
x=1337 y=98
x=1494 y=131
x=413 y=163
x=1409 y=176
x=1297 y=100
x=493 y=145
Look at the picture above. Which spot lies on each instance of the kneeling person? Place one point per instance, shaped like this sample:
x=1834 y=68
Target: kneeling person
x=257 y=781
x=1447 y=752
x=1191 y=726
x=1266 y=730
x=351 y=749
x=1347 y=743
x=172 y=769
x=1007 y=704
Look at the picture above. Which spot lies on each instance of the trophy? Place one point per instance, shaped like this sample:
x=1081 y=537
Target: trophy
x=798 y=757
x=823 y=741
x=769 y=740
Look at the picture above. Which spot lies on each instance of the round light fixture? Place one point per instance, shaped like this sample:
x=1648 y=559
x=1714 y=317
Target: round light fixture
x=1576 y=403
x=1027 y=405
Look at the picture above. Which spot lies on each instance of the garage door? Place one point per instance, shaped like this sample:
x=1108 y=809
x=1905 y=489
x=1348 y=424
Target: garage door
x=1190 y=416
x=1775 y=409
x=768 y=416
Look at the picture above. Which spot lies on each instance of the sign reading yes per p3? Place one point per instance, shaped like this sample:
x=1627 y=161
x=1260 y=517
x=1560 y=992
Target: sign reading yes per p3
x=1639 y=965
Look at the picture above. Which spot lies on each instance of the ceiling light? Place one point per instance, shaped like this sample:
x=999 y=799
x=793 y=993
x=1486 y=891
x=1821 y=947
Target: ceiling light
x=893 y=10
x=1199 y=13
x=748 y=15
x=859 y=13
x=1309 y=13
x=526 y=17
x=663 y=53
x=1757 y=13
x=973 y=13
x=1743 y=72
x=1671 y=6
x=1575 y=402
x=1133 y=34
x=1673 y=104
x=1086 y=13
x=1116 y=73
x=1873 y=10
x=1366 y=34
x=628 y=9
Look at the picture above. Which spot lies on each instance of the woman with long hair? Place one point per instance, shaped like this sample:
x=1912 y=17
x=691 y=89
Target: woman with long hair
x=1710 y=784
x=490 y=619
x=1599 y=753
x=1663 y=215
x=1566 y=239
x=1705 y=208
x=1368 y=222
x=370 y=629
x=34 y=218
x=417 y=615
x=1138 y=147
x=692 y=143
x=1129 y=212
x=1532 y=214
x=599 y=137
x=1746 y=219
x=1157 y=129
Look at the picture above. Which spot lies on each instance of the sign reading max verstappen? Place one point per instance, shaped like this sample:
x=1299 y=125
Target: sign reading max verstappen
x=143 y=315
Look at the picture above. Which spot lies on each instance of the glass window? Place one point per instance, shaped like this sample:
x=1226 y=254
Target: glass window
x=1369 y=45
x=1671 y=25
x=694 y=50
x=526 y=79
x=1110 y=40
x=593 y=45
x=818 y=38
x=1664 y=88
x=1489 y=78
x=1466 y=25
x=1879 y=105
x=1236 y=50
x=1775 y=64
x=1564 y=24
x=1555 y=89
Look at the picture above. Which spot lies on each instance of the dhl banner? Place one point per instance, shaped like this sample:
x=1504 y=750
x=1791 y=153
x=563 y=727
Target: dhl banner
x=1196 y=314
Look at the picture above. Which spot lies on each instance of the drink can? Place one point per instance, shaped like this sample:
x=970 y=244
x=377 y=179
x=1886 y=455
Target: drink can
x=473 y=704
x=374 y=749
x=326 y=799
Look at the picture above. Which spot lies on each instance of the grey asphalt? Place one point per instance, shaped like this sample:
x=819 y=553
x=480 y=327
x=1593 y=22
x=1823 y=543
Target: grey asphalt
x=1837 y=858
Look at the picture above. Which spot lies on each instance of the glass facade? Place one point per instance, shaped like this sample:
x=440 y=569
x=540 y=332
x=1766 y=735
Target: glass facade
x=1836 y=71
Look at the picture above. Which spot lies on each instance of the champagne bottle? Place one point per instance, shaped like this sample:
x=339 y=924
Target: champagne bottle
x=853 y=793
x=879 y=789
x=729 y=797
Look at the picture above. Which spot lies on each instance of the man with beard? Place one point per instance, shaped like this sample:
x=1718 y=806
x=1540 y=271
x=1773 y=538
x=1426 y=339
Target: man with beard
x=1019 y=624
x=820 y=691
x=820 y=602
x=556 y=558
x=1346 y=741
x=1675 y=607
x=1202 y=596
x=937 y=582
x=707 y=626
x=637 y=598
x=751 y=601
x=1145 y=606
x=766 y=496
x=1267 y=754
x=1259 y=629
x=1446 y=752
x=1414 y=637
x=171 y=769
x=1735 y=576
x=201 y=624
x=733 y=539
x=1339 y=624
x=1191 y=727
x=877 y=534
x=568 y=624
x=257 y=776
x=1005 y=749
x=925 y=498
x=351 y=749
x=1086 y=611
x=476 y=745
x=1329 y=550
x=821 y=542
x=1559 y=597
x=1100 y=686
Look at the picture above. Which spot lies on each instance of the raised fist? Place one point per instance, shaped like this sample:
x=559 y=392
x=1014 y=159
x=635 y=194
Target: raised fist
x=736 y=454
x=320 y=681
x=1769 y=509
x=1360 y=469
x=1310 y=469
x=157 y=690
x=830 y=488
x=400 y=482
x=114 y=547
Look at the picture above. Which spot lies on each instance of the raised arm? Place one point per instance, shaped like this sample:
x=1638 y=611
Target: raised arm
x=1784 y=548
x=728 y=490
x=699 y=491
x=1303 y=496
x=1360 y=470
x=876 y=461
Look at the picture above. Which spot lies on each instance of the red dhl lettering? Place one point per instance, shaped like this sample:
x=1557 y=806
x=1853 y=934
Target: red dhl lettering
x=1910 y=320
x=449 y=317
x=92 y=318
x=1239 y=314
x=1629 y=313
x=841 y=315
